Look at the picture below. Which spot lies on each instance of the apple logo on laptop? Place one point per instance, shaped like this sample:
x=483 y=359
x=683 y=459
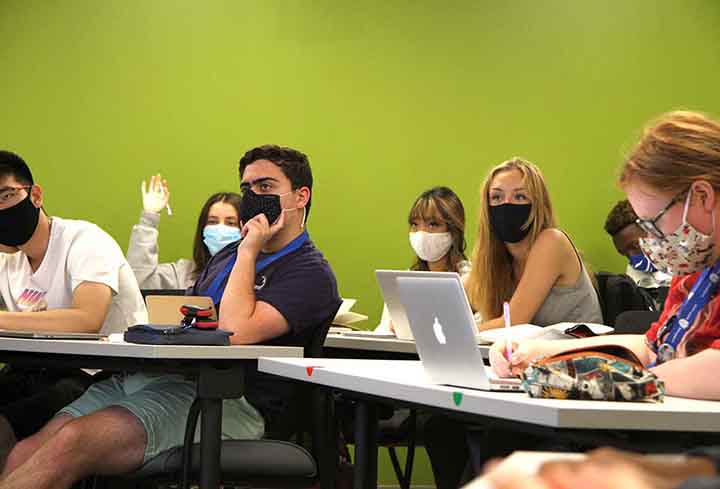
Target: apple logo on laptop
x=438 y=330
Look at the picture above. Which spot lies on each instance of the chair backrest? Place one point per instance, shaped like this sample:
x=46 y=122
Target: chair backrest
x=635 y=322
x=619 y=293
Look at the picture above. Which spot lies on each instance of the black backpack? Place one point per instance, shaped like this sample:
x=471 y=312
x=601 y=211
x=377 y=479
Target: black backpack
x=619 y=293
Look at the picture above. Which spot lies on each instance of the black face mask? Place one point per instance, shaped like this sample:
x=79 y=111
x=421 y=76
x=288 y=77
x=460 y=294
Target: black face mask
x=507 y=221
x=253 y=204
x=18 y=223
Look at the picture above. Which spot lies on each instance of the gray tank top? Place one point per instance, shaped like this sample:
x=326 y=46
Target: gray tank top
x=577 y=303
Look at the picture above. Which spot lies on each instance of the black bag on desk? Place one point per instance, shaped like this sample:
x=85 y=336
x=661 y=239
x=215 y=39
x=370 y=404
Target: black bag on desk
x=161 y=334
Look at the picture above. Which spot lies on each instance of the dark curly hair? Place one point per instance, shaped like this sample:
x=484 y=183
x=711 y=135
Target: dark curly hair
x=621 y=216
x=293 y=163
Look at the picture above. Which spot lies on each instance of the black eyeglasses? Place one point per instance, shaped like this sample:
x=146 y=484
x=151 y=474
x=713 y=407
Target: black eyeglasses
x=650 y=225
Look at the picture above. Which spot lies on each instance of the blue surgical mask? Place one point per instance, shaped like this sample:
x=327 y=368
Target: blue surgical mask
x=218 y=236
x=642 y=263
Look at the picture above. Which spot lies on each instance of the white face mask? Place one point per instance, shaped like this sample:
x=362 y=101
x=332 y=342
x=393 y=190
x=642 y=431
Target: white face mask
x=430 y=247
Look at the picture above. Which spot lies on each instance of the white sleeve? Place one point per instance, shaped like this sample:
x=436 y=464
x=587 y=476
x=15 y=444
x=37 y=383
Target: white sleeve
x=94 y=257
x=143 y=258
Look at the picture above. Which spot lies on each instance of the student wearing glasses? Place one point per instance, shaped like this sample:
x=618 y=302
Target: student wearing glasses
x=55 y=275
x=672 y=180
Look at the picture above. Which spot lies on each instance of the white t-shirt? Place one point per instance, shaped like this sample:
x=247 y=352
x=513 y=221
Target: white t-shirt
x=78 y=252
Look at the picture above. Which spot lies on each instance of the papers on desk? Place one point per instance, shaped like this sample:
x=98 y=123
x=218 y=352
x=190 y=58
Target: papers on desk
x=531 y=331
x=345 y=317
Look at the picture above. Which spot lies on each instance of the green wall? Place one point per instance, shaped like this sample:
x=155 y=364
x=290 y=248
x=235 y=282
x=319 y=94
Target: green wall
x=387 y=97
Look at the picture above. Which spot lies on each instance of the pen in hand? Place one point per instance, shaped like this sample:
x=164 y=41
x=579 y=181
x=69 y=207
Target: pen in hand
x=508 y=341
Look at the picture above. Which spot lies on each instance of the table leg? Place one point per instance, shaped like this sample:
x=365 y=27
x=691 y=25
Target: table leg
x=366 y=429
x=210 y=442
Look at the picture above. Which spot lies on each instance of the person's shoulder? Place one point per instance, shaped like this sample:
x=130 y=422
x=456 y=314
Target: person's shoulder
x=72 y=227
x=555 y=242
x=309 y=259
x=84 y=234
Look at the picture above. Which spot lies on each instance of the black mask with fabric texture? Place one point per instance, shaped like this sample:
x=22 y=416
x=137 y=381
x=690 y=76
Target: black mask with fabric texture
x=18 y=223
x=507 y=221
x=253 y=204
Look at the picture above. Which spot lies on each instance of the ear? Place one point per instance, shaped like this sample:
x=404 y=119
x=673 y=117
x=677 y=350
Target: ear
x=36 y=196
x=705 y=194
x=302 y=197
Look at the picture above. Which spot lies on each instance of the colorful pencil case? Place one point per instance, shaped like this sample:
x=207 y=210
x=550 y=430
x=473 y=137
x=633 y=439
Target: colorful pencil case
x=605 y=373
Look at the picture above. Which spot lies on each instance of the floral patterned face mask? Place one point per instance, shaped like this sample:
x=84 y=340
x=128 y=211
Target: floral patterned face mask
x=682 y=252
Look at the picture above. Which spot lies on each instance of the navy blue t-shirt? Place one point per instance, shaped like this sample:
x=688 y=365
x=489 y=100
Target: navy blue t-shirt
x=302 y=287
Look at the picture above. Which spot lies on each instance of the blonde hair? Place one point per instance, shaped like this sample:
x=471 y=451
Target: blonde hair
x=446 y=205
x=675 y=150
x=491 y=279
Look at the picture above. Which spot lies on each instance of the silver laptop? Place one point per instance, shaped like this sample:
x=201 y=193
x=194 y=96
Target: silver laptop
x=50 y=335
x=444 y=329
x=388 y=285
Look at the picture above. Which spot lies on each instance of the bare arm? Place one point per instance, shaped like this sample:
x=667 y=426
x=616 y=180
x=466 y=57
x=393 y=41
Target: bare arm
x=91 y=301
x=693 y=376
x=550 y=258
x=250 y=320
x=527 y=351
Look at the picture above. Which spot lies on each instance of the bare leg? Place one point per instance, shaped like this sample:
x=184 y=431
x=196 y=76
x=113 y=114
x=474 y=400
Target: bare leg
x=25 y=448
x=109 y=441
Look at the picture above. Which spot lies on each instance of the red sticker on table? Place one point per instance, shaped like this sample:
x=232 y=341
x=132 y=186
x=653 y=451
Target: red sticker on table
x=310 y=370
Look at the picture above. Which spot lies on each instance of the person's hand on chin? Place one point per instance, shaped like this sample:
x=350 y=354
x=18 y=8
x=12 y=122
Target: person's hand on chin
x=257 y=232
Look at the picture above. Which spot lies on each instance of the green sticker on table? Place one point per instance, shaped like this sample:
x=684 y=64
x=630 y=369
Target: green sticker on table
x=457 y=398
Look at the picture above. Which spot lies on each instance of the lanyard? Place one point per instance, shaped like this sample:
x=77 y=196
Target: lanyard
x=216 y=288
x=677 y=326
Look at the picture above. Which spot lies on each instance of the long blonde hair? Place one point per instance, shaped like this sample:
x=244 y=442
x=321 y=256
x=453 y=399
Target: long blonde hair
x=674 y=151
x=491 y=280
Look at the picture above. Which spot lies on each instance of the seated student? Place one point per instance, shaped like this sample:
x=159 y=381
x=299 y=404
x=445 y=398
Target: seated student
x=437 y=235
x=671 y=179
x=522 y=257
x=612 y=469
x=278 y=290
x=625 y=233
x=55 y=275
x=217 y=226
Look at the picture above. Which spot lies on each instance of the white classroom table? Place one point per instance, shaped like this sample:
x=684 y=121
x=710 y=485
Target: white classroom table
x=390 y=346
x=219 y=370
x=406 y=381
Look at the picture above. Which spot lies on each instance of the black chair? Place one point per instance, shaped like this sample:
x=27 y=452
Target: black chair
x=635 y=322
x=291 y=462
x=619 y=293
x=396 y=428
